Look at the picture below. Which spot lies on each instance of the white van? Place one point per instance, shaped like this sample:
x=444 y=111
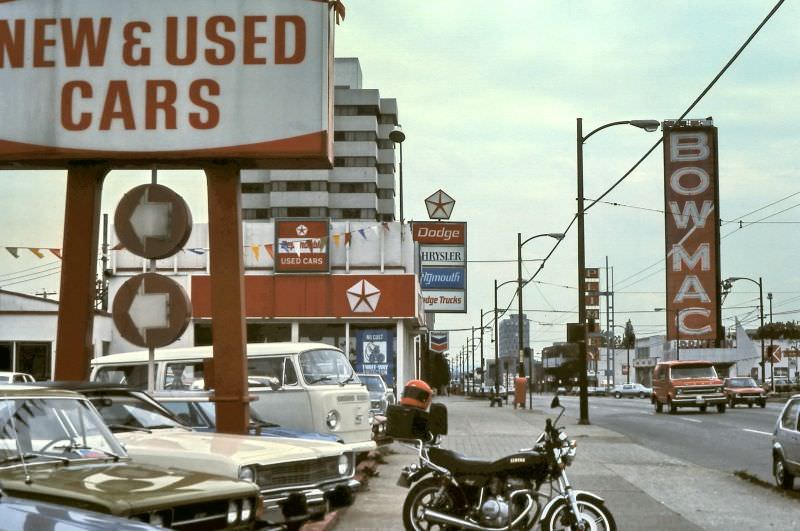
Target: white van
x=308 y=386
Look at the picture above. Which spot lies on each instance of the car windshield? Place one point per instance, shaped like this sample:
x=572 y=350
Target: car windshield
x=741 y=382
x=129 y=410
x=64 y=428
x=321 y=367
x=693 y=371
x=374 y=383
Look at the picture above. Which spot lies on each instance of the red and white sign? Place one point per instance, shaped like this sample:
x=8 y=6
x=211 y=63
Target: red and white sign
x=152 y=221
x=301 y=246
x=439 y=205
x=692 y=230
x=171 y=81
x=445 y=233
x=773 y=353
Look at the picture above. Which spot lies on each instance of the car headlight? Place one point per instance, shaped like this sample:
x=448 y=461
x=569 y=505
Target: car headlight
x=332 y=419
x=678 y=391
x=344 y=465
x=738 y=395
x=247 y=473
x=233 y=512
x=719 y=389
x=247 y=509
x=371 y=417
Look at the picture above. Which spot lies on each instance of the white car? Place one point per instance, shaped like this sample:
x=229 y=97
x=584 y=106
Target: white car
x=299 y=479
x=16 y=377
x=631 y=390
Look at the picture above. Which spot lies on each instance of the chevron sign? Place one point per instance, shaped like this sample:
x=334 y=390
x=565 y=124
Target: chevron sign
x=439 y=341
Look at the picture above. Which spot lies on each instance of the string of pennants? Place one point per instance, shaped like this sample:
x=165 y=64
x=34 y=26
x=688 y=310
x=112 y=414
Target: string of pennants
x=338 y=239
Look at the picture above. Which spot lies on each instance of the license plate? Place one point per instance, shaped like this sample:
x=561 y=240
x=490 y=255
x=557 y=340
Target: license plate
x=700 y=400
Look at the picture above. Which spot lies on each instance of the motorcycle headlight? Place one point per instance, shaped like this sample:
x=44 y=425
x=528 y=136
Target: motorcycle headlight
x=247 y=510
x=233 y=512
x=344 y=465
x=332 y=419
x=247 y=473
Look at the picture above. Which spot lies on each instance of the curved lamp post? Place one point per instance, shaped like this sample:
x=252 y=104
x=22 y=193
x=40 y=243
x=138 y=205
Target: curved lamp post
x=497 y=347
x=727 y=284
x=398 y=137
x=649 y=126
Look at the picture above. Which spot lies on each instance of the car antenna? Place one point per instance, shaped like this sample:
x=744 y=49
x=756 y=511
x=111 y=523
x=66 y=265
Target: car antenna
x=11 y=414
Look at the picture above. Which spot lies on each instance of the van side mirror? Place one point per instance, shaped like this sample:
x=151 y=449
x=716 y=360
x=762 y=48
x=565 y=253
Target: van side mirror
x=555 y=403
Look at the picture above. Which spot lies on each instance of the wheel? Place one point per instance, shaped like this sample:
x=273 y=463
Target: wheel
x=617 y=395
x=783 y=478
x=659 y=406
x=641 y=395
x=422 y=496
x=720 y=408
x=763 y=403
x=594 y=516
x=732 y=403
x=703 y=409
x=671 y=408
x=749 y=404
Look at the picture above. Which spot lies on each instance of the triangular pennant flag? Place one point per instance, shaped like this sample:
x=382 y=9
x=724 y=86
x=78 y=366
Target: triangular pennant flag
x=197 y=250
x=362 y=233
x=270 y=249
x=374 y=229
x=323 y=243
x=13 y=251
x=347 y=237
x=296 y=248
x=336 y=239
x=56 y=252
x=119 y=247
x=385 y=225
x=36 y=251
x=256 y=251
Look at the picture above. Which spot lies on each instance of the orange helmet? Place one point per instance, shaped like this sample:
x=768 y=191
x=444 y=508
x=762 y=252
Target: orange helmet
x=417 y=394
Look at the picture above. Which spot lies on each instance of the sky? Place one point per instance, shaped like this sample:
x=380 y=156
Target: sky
x=488 y=95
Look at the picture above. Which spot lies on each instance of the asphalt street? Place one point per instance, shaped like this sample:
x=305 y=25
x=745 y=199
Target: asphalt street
x=739 y=439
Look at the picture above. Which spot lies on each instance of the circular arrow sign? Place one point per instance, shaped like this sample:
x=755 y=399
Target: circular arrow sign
x=151 y=310
x=152 y=221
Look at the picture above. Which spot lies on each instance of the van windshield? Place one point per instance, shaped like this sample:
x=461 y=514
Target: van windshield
x=320 y=367
x=693 y=371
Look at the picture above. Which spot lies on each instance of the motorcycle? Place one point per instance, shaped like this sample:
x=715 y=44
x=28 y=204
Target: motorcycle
x=451 y=491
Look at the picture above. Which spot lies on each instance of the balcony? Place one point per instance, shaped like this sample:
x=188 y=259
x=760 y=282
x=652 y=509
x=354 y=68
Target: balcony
x=353 y=200
x=355 y=123
x=299 y=199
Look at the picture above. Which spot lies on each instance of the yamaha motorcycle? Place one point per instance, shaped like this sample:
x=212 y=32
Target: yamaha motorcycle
x=451 y=491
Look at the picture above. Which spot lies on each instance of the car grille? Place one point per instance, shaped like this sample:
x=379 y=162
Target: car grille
x=352 y=398
x=196 y=517
x=298 y=473
x=699 y=390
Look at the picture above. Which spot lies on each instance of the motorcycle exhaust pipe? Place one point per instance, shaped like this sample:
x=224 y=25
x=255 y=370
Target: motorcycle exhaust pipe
x=442 y=518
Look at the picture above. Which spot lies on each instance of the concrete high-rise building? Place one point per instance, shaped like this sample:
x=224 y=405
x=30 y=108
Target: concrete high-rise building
x=361 y=186
x=508 y=336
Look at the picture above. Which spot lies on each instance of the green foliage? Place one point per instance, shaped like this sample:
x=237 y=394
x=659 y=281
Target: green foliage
x=629 y=339
x=787 y=330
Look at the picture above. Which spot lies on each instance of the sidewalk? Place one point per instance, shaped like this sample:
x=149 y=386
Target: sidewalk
x=642 y=488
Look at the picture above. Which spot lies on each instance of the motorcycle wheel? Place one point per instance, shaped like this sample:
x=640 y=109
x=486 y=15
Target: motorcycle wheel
x=594 y=516
x=421 y=496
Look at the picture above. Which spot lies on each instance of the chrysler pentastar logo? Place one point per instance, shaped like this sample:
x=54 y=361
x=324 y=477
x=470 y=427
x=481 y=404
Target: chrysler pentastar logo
x=302 y=230
x=363 y=297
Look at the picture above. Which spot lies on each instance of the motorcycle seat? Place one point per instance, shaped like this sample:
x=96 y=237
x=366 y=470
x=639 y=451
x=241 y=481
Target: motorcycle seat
x=459 y=464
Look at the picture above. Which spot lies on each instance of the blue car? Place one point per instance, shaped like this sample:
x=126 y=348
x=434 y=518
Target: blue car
x=197 y=411
x=18 y=513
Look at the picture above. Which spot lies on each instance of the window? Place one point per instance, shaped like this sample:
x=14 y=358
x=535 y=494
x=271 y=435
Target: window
x=188 y=413
x=351 y=213
x=255 y=188
x=132 y=375
x=298 y=212
x=185 y=375
x=355 y=136
x=265 y=372
x=355 y=110
x=385 y=168
x=330 y=334
x=6 y=350
x=354 y=162
x=256 y=213
x=385 y=144
x=34 y=359
x=789 y=417
x=385 y=193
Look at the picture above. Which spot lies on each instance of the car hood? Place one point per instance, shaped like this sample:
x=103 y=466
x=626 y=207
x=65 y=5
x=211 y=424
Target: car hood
x=745 y=390
x=122 y=488
x=291 y=433
x=196 y=450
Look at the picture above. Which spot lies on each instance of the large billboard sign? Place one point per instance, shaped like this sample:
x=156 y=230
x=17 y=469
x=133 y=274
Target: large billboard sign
x=301 y=246
x=169 y=81
x=442 y=265
x=691 y=197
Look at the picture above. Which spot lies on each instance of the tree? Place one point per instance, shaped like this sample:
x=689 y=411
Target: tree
x=629 y=341
x=788 y=330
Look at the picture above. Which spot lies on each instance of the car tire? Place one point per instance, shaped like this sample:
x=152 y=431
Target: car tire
x=618 y=395
x=720 y=408
x=763 y=403
x=731 y=402
x=703 y=409
x=659 y=406
x=749 y=404
x=641 y=395
x=783 y=478
x=672 y=409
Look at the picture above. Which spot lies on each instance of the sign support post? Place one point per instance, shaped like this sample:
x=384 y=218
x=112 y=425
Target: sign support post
x=227 y=298
x=78 y=272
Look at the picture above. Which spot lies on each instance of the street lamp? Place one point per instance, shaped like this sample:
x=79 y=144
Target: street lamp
x=677 y=328
x=497 y=348
x=649 y=126
x=398 y=136
x=727 y=284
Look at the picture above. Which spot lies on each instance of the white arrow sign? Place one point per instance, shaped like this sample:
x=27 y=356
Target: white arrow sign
x=149 y=311
x=151 y=220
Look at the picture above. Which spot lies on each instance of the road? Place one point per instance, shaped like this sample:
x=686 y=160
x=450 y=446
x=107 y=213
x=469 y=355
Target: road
x=739 y=439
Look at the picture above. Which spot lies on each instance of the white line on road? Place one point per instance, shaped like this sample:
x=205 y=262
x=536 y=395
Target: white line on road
x=756 y=431
x=690 y=420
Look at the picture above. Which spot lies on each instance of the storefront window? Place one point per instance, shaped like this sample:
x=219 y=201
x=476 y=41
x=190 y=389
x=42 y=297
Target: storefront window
x=330 y=334
x=6 y=350
x=256 y=333
x=34 y=359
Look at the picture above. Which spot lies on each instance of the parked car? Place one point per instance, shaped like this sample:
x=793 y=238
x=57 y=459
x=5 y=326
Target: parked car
x=299 y=479
x=561 y=391
x=196 y=410
x=782 y=384
x=380 y=394
x=786 y=445
x=18 y=513
x=631 y=390
x=308 y=386
x=744 y=390
x=594 y=390
x=54 y=447
x=16 y=377
x=687 y=383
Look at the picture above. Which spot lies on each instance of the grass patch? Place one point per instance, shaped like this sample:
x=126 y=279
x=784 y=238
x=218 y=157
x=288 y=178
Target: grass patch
x=747 y=476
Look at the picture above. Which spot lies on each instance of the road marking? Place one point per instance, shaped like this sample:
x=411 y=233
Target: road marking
x=691 y=420
x=756 y=431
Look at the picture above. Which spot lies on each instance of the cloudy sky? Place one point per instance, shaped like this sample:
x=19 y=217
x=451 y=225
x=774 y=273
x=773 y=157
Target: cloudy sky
x=488 y=95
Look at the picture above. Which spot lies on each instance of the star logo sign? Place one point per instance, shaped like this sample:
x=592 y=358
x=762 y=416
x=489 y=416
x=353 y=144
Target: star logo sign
x=439 y=205
x=363 y=297
x=302 y=230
